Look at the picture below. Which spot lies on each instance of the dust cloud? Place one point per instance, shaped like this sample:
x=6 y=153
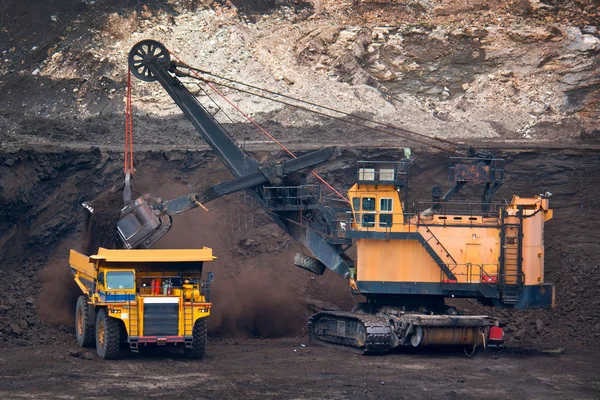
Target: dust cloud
x=256 y=304
x=59 y=292
x=252 y=295
x=257 y=292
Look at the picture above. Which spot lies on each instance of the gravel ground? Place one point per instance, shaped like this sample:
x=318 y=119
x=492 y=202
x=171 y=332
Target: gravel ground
x=285 y=368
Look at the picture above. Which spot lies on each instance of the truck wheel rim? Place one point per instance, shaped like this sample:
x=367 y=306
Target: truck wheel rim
x=80 y=322
x=101 y=333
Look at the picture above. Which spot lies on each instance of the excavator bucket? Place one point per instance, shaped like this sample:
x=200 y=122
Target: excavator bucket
x=140 y=227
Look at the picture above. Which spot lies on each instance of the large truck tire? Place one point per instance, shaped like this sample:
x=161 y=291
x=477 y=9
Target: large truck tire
x=310 y=264
x=199 y=341
x=108 y=335
x=84 y=323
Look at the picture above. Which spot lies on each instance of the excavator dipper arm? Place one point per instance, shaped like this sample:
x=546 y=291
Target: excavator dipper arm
x=263 y=176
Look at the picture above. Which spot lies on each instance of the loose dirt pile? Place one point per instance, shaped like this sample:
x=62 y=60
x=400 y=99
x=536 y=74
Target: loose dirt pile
x=258 y=292
x=102 y=221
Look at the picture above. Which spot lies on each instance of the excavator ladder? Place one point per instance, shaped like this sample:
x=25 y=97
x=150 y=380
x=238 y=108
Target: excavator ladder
x=439 y=254
x=449 y=261
x=511 y=261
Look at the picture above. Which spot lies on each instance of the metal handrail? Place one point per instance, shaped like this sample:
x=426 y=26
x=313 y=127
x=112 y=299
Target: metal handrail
x=292 y=195
x=203 y=286
x=472 y=209
x=419 y=220
x=407 y=220
x=484 y=276
x=345 y=223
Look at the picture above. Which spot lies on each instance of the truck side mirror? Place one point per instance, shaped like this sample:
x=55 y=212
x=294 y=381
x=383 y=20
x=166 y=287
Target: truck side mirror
x=210 y=276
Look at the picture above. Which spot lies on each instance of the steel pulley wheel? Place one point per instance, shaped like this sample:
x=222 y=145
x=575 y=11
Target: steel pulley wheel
x=144 y=53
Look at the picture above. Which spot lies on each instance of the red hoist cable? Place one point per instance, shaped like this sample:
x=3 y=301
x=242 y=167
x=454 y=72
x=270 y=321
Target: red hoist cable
x=128 y=162
x=260 y=127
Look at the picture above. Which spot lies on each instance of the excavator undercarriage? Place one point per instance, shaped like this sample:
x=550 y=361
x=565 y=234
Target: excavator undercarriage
x=391 y=327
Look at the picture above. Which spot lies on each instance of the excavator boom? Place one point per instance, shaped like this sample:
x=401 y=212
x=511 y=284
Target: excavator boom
x=142 y=225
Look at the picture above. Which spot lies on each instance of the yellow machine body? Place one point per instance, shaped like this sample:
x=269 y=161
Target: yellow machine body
x=164 y=297
x=428 y=252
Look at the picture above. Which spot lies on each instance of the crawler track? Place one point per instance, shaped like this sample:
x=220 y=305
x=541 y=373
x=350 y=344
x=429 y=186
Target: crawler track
x=366 y=334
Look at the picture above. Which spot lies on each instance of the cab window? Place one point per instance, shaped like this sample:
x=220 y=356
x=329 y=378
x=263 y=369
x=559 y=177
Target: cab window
x=120 y=280
x=385 y=213
x=368 y=204
x=385 y=205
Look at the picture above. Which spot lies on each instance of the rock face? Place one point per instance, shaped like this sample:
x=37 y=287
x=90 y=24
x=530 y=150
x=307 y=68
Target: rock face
x=425 y=67
x=20 y=172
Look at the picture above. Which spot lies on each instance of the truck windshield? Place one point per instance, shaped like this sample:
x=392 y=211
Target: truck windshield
x=119 y=280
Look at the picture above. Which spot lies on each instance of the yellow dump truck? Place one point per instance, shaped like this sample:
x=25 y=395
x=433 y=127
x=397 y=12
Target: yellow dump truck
x=142 y=297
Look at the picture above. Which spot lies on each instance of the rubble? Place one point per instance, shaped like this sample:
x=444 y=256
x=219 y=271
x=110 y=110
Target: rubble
x=582 y=42
x=84 y=355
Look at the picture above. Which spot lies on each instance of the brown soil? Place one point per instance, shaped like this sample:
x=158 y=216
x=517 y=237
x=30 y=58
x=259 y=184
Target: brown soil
x=61 y=137
x=258 y=292
x=284 y=368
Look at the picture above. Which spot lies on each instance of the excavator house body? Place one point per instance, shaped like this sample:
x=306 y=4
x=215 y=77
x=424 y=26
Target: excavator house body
x=496 y=256
x=148 y=296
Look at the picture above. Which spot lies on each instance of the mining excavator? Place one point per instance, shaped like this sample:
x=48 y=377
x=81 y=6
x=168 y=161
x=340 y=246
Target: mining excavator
x=407 y=261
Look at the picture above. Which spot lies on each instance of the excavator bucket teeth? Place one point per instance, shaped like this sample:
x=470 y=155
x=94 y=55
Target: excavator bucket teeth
x=139 y=227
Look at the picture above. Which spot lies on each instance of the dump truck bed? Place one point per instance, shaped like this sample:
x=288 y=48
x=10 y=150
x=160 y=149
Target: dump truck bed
x=85 y=268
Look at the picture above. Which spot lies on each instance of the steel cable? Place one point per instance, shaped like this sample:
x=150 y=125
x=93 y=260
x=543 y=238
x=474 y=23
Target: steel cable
x=405 y=131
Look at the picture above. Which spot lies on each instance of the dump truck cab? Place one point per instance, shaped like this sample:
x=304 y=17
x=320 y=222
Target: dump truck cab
x=142 y=297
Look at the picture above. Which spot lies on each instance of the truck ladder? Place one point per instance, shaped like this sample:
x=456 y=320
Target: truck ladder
x=188 y=321
x=511 y=257
x=133 y=326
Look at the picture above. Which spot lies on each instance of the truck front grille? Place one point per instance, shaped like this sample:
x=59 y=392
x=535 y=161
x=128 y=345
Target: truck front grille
x=161 y=319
